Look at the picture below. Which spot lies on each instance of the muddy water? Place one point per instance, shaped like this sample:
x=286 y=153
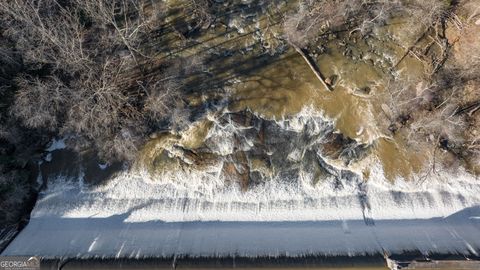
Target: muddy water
x=282 y=86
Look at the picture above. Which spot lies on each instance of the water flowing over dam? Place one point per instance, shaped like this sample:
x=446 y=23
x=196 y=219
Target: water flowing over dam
x=300 y=204
x=233 y=141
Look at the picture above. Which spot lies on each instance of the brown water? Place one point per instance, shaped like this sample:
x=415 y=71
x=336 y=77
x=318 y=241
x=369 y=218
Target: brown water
x=285 y=85
x=284 y=88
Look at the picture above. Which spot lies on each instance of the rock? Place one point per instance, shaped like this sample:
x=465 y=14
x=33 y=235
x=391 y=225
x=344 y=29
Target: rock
x=404 y=118
x=237 y=170
x=337 y=146
x=477 y=22
x=393 y=128
x=364 y=90
x=332 y=80
x=328 y=81
x=444 y=144
x=251 y=150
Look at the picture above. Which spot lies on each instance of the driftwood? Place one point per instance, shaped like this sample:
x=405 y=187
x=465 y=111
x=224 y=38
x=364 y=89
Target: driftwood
x=469 y=109
x=409 y=49
x=313 y=66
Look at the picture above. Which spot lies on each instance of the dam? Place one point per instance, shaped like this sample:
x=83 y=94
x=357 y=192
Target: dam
x=297 y=212
x=355 y=150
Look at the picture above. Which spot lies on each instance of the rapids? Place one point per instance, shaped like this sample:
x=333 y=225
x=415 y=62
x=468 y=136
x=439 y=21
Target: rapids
x=195 y=212
x=275 y=166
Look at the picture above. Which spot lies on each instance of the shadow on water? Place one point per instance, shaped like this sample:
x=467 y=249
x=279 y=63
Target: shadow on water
x=69 y=164
x=222 y=47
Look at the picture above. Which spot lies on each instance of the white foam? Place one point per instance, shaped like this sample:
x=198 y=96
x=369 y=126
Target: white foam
x=202 y=196
x=155 y=217
x=196 y=213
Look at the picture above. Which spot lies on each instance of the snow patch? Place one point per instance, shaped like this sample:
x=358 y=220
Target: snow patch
x=56 y=145
x=103 y=166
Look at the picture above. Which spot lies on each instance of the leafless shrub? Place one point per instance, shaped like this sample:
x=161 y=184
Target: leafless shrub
x=311 y=18
x=156 y=13
x=121 y=146
x=317 y=16
x=39 y=103
x=320 y=16
x=467 y=50
x=375 y=14
x=439 y=124
x=35 y=28
x=99 y=106
x=425 y=13
x=161 y=98
x=87 y=54
x=404 y=97
x=202 y=12
x=8 y=62
x=126 y=17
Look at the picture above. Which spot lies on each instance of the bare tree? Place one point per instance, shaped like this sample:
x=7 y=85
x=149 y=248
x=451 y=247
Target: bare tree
x=426 y=13
x=39 y=103
x=81 y=92
x=202 y=12
x=8 y=62
x=125 y=16
x=34 y=27
x=161 y=98
x=321 y=16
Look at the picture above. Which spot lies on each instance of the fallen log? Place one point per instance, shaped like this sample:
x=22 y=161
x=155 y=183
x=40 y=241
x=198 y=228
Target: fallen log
x=313 y=66
x=409 y=49
x=469 y=109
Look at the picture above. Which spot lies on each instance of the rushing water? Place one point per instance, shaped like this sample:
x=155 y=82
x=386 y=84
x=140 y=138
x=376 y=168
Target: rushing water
x=281 y=86
x=290 y=210
x=278 y=166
